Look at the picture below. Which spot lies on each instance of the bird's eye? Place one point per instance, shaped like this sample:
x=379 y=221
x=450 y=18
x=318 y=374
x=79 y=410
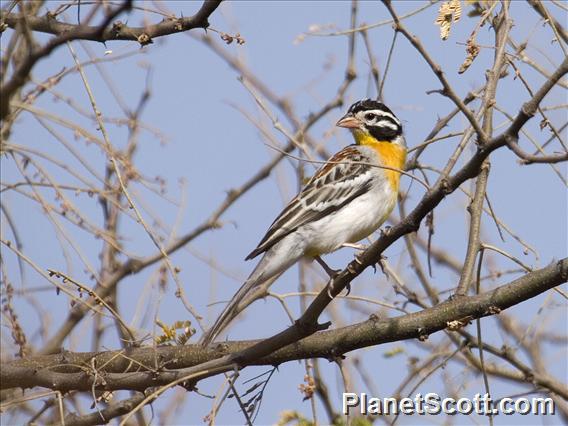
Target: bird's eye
x=370 y=116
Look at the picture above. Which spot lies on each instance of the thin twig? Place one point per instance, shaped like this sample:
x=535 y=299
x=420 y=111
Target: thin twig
x=110 y=152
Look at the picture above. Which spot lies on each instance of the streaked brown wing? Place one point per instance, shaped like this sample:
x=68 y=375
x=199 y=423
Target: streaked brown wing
x=344 y=177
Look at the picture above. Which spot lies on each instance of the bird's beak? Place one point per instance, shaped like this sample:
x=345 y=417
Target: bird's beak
x=349 y=122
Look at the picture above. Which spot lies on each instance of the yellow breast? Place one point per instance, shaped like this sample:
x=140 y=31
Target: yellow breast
x=391 y=155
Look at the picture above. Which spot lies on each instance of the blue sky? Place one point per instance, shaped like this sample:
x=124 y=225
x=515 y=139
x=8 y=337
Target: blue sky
x=197 y=102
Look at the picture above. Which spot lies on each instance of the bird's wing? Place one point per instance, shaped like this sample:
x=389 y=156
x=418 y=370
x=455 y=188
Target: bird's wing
x=344 y=177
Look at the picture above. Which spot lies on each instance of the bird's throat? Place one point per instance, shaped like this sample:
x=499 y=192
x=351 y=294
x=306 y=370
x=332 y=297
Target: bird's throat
x=392 y=156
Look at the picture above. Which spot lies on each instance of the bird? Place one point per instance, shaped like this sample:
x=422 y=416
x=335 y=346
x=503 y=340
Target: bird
x=345 y=201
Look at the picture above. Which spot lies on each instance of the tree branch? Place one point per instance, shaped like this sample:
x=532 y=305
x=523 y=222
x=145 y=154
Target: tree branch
x=447 y=91
x=541 y=10
x=502 y=26
x=104 y=415
x=21 y=73
x=67 y=32
x=118 y=31
x=430 y=200
x=131 y=368
x=526 y=158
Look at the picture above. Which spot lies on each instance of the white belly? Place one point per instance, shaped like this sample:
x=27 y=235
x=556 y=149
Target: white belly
x=355 y=221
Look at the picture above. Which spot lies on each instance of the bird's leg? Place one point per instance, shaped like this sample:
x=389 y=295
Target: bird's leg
x=384 y=232
x=331 y=272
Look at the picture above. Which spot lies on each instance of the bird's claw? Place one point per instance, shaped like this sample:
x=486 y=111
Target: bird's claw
x=330 y=288
x=358 y=258
x=381 y=263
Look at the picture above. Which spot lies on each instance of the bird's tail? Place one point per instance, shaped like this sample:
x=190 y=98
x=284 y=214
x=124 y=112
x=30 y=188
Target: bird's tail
x=273 y=263
x=254 y=288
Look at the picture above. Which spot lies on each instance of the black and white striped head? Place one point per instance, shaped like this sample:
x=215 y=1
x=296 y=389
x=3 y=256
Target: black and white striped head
x=372 y=118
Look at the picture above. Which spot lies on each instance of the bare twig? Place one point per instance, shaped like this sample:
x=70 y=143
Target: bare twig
x=21 y=73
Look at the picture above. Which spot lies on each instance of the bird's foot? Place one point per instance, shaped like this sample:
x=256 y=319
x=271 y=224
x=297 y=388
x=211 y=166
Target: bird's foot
x=381 y=263
x=358 y=258
x=330 y=289
x=333 y=273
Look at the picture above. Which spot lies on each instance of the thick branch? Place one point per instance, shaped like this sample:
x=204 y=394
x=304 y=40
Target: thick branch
x=118 y=31
x=102 y=32
x=21 y=73
x=475 y=210
x=502 y=26
x=134 y=368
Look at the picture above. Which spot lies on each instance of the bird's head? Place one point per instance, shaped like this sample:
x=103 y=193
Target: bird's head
x=372 y=121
